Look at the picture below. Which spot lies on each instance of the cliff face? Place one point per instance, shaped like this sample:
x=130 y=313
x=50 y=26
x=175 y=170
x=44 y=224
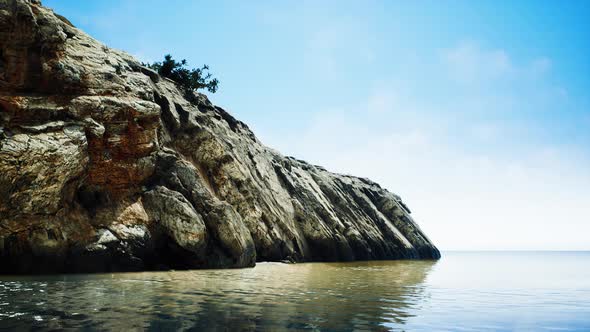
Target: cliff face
x=105 y=166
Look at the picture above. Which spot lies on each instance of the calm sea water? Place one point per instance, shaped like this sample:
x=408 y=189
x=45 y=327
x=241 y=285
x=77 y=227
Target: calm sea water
x=464 y=291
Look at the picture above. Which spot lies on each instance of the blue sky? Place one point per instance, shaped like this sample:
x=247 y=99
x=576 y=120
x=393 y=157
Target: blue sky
x=476 y=112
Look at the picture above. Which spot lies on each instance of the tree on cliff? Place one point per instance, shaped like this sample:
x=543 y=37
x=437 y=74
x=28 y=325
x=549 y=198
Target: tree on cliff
x=189 y=79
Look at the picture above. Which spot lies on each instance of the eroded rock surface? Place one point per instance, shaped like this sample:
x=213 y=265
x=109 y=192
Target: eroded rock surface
x=106 y=166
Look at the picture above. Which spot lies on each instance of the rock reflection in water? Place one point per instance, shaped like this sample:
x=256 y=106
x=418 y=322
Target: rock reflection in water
x=271 y=296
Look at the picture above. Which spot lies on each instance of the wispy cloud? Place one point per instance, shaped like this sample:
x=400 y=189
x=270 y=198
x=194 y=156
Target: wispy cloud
x=474 y=179
x=470 y=63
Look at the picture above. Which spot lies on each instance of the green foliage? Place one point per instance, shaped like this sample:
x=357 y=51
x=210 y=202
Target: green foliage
x=189 y=79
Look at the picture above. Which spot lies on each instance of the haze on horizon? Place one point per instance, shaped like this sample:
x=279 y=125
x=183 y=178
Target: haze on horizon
x=476 y=114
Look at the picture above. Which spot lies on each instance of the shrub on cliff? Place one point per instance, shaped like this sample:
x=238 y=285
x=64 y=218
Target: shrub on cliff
x=189 y=79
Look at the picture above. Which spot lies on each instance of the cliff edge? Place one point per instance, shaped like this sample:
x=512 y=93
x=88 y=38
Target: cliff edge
x=105 y=166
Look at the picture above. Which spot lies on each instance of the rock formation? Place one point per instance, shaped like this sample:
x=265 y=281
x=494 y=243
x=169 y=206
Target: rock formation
x=106 y=166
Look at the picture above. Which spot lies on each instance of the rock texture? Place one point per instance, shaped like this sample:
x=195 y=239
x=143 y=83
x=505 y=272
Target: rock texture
x=106 y=166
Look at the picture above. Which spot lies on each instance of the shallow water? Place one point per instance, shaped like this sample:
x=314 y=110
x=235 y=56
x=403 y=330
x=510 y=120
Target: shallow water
x=474 y=291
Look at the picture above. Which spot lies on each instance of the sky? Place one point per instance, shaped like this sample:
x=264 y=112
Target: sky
x=477 y=113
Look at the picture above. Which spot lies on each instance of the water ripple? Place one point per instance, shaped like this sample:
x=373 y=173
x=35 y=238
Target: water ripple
x=409 y=295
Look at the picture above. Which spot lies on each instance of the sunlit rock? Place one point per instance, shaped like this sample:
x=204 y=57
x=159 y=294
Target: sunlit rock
x=105 y=166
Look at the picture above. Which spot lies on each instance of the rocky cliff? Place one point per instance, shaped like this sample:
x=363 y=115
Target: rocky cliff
x=106 y=166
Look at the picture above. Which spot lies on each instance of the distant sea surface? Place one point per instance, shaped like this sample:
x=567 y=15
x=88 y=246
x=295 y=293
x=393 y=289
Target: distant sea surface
x=464 y=291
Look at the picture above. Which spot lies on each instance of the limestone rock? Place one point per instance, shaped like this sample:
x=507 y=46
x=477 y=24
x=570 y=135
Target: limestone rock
x=106 y=166
x=178 y=219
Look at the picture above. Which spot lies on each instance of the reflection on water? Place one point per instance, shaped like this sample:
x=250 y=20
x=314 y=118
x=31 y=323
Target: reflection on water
x=461 y=292
x=271 y=296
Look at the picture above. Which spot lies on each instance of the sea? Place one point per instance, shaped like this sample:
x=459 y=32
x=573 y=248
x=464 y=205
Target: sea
x=463 y=291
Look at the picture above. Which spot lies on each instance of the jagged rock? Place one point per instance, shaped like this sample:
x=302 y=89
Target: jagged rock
x=106 y=166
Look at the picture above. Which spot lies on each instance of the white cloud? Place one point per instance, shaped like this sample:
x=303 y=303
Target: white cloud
x=485 y=131
x=463 y=200
x=469 y=63
x=474 y=177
